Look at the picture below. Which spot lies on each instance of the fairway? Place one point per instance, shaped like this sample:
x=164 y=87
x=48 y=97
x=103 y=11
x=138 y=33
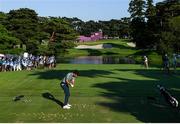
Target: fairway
x=102 y=93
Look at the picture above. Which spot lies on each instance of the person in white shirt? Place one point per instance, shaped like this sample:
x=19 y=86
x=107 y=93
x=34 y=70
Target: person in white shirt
x=69 y=79
x=146 y=62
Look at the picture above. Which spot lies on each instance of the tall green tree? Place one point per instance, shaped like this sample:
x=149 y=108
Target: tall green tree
x=138 y=32
x=151 y=26
x=60 y=31
x=7 y=41
x=75 y=22
x=150 y=9
x=167 y=16
x=3 y=17
x=170 y=39
x=61 y=28
x=174 y=25
x=23 y=24
x=137 y=8
x=138 y=25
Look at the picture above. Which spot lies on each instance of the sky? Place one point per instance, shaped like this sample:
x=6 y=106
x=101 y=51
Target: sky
x=83 y=9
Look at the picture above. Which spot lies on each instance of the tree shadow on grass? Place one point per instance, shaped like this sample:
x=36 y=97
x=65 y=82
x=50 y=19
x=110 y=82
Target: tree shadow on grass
x=59 y=74
x=49 y=96
x=132 y=96
x=168 y=80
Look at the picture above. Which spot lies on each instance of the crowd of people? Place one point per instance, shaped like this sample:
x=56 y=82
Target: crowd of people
x=25 y=62
x=167 y=62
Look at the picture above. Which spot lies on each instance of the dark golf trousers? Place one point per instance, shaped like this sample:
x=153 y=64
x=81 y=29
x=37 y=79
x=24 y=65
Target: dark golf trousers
x=65 y=87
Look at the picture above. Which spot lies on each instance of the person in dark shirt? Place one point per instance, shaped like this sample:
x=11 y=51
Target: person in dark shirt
x=165 y=60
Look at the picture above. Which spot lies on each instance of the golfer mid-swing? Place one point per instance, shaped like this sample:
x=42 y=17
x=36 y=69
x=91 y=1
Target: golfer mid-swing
x=69 y=79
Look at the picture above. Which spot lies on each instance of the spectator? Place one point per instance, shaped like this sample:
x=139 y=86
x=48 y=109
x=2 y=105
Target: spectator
x=146 y=62
x=174 y=62
x=165 y=60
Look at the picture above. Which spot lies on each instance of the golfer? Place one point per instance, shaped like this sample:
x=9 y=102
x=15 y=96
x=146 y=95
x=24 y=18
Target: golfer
x=69 y=79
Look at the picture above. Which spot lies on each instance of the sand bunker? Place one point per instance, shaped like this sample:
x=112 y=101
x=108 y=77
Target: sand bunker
x=131 y=44
x=100 y=46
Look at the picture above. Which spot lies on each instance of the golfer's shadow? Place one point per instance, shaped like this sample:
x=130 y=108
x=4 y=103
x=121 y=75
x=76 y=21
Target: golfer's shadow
x=51 y=97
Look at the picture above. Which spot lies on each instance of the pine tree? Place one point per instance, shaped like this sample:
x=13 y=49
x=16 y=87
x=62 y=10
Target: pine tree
x=137 y=11
x=150 y=9
x=137 y=8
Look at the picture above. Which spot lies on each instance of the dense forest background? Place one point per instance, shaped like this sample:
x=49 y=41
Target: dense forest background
x=150 y=26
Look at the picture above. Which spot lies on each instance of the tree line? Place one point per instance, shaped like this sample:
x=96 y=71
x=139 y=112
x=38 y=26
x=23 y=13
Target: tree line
x=150 y=26
x=112 y=28
x=156 y=26
x=23 y=30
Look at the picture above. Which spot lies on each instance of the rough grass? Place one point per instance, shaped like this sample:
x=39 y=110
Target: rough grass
x=103 y=93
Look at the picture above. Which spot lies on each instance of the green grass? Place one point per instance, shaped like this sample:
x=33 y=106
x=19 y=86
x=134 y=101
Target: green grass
x=119 y=47
x=103 y=93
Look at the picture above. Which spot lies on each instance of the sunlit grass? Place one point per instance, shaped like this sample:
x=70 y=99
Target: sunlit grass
x=102 y=93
